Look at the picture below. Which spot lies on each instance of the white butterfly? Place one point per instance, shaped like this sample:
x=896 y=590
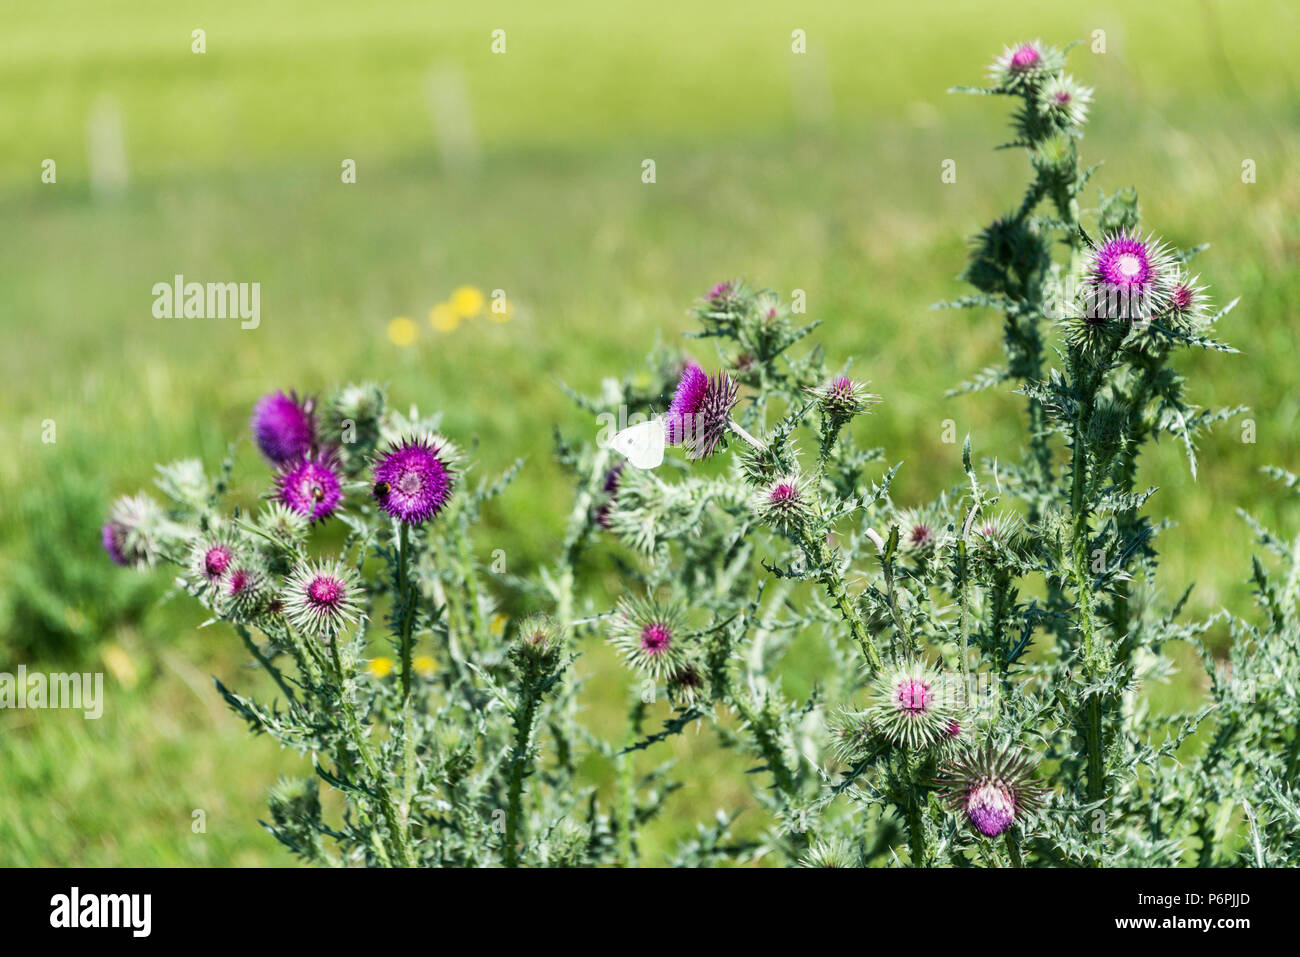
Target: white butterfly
x=643 y=444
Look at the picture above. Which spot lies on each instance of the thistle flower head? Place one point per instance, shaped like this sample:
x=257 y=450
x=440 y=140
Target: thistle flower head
x=283 y=523
x=538 y=641
x=1127 y=277
x=243 y=592
x=1188 y=303
x=1064 y=100
x=283 y=427
x=700 y=413
x=211 y=558
x=685 y=685
x=310 y=486
x=783 y=502
x=835 y=853
x=722 y=297
x=610 y=490
x=650 y=635
x=132 y=534
x=413 y=478
x=917 y=531
x=996 y=535
x=842 y=398
x=913 y=704
x=1024 y=65
x=994 y=788
x=322 y=598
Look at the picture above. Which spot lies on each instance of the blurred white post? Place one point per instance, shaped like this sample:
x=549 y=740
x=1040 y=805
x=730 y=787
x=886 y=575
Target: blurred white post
x=810 y=89
x=106 y=148
x=453 y=118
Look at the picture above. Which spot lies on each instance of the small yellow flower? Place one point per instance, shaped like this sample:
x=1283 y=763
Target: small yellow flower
x=498 y=625
x=467 y=301
x=380 y=667
x=424 y=665
x=121 y=665
x=402 y=331
x=444 y=317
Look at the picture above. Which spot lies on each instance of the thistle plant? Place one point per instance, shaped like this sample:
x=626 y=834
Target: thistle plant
x=976 y=663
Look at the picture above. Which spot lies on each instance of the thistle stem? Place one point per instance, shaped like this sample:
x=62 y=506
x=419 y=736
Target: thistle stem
x=406 y=596
x=396 y=825
x=739 y=430
x=524 y=721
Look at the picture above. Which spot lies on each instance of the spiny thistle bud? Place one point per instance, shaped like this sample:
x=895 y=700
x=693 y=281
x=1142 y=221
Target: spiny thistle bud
x=842 y=398
x=1024 y=66
x=1188 y=304
x=997 y=538
x=1064 y=101
x=699 y=416
x=994 y=788
x=284 y=524
x=283 y=427
x=650 y=636
x=243 y=593
x=211 y=558
x=913 y=704
x=783 y=503
x=311 y=486
x=414 y=479
x=538 y=643
x=609 y=489
x=685 y=685
x=918 y=532
x=132 y=536
x=321 y=599
x=835 y=853
x=351 y=422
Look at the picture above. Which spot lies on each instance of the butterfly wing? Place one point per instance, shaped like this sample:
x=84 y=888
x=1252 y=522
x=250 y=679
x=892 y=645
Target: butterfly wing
x=641 y=444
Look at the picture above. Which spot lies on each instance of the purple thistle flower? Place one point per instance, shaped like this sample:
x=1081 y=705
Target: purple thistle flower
x=310 y=486
x=783 y=502
x=843 y=398
x=113 y=536
x=721 y=292
x=912 y=704
x=700 y=413
x=321 y=599
x=132 y=534
x=413 y=479
x=211 y=558
x=993 y=788
x=283 y=427
x=601 y=515
x=1024 y=57
x=648 y=633
x=1128 y=277
x=1124 y=261
x=687 y=399
x=242 y=594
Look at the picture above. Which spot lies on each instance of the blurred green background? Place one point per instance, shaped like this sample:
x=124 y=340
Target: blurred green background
x=522 y=172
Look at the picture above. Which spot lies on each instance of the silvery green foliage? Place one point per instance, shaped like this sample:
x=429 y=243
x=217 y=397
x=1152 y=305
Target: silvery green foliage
x=1029 y=583
x=466 y=752
x=980 y=659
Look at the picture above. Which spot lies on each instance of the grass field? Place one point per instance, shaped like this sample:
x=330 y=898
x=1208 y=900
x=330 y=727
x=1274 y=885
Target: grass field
x=819 y=172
